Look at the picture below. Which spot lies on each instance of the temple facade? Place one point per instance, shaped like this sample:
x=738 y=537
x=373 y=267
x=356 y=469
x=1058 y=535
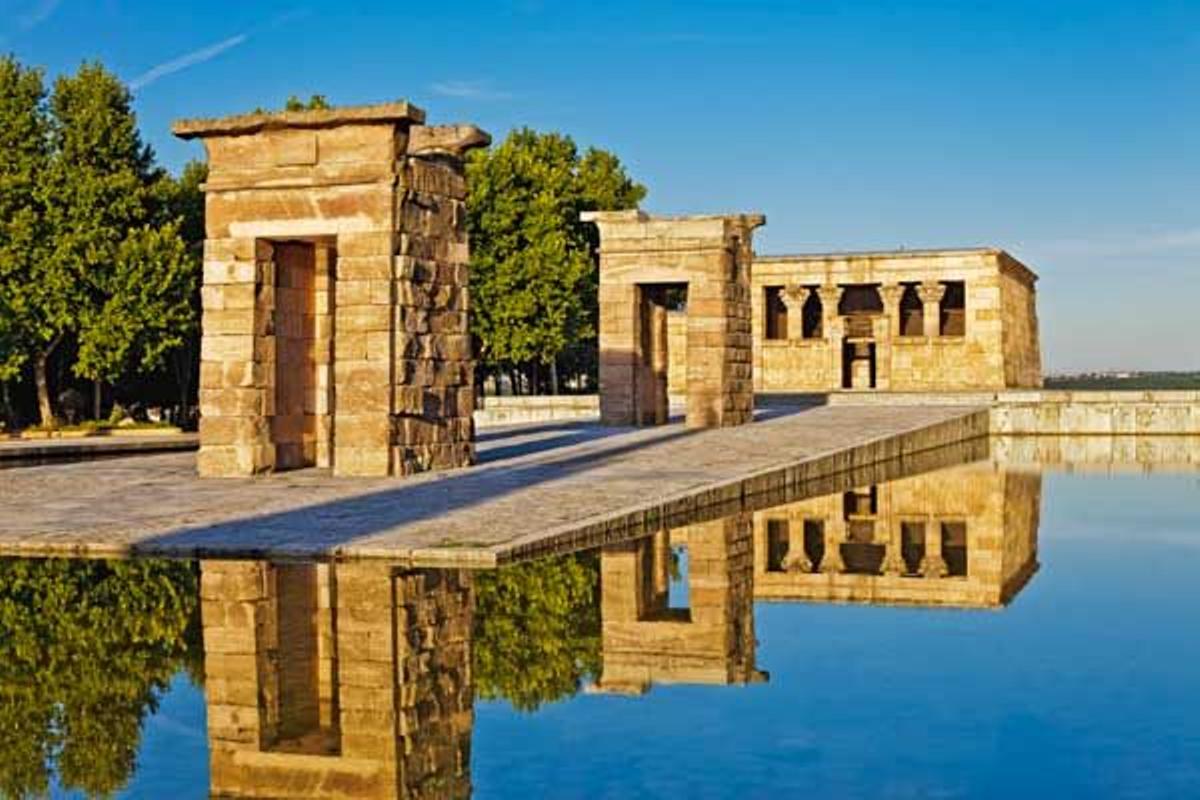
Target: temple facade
x=920 y=321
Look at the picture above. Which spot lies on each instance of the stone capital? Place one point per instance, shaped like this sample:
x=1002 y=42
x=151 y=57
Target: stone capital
x=794 y=295
x=931 y=292
x=830 y=294
x=891 y=294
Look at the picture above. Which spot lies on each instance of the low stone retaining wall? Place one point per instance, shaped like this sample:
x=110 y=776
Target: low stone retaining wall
x=1030 y=412
x=1048 y=412
x=1053 y=413
x=507 y=410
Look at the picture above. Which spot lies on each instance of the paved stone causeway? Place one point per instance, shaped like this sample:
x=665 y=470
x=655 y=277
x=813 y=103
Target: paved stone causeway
x=537 y=485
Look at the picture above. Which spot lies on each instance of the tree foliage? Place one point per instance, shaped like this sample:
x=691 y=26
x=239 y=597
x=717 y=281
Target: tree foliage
x=91 y=250
x=533 y=262
x=87 y=648
x=537 y=630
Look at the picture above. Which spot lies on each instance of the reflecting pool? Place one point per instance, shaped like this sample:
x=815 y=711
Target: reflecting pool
x=973 y=631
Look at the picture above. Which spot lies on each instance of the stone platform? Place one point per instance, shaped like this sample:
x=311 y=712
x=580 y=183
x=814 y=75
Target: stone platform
x=18 y=452
x=540 y=488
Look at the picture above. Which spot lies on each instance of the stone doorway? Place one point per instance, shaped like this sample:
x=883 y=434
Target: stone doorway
x=858 y=363
x=642 y=260
x=655 y=301
x=301 y=331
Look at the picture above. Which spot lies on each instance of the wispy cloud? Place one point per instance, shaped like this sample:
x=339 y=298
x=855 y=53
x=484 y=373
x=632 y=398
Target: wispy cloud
x=210 y=52
x=468 y=90
x=1161 y=242
x=187 y=60
x=37 y=13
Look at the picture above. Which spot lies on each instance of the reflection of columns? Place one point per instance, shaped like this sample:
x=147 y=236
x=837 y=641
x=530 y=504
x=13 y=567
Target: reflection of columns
x=933 y=565
x=835 y=534
x=931 y=295
x=797 y=559
x=831 y=323
x=893 y=557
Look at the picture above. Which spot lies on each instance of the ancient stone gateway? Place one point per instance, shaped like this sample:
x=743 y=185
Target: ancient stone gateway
x=335 y=292
x=649 y=264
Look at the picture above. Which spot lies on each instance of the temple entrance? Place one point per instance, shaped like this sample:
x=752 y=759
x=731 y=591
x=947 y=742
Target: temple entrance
x=649 y=266
x=301 y=328
x=858 y=363
x=654 y=356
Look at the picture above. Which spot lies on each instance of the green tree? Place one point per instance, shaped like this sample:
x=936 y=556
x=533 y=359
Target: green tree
x=88 y=249
x=537 y=630
x=86 y=651
x=316 y=102
x=30 y=309
x=533 y=263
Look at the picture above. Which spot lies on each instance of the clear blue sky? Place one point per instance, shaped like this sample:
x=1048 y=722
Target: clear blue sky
x=1065 y=132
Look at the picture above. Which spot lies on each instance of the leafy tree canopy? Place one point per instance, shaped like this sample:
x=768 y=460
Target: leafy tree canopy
x=316 y=102
x=537 y=630
x=87 y=649
x=533 y=263
x=90 y=246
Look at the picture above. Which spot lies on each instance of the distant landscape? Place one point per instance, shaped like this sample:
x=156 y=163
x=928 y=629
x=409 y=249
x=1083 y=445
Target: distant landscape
x=1125 y=380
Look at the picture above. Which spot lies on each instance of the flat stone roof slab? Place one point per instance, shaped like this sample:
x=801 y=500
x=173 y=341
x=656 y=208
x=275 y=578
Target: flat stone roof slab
x=542 y=486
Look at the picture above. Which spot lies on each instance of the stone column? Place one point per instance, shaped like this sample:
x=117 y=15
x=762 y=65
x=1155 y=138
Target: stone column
x=887 y=330
x=933 y=565
x=931 y=296
x=794 y=297
x=831 y=325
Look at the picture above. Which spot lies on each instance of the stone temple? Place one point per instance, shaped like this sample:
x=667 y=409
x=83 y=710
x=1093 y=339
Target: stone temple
x=690 y=314
x=335 y=305
x=913 y=321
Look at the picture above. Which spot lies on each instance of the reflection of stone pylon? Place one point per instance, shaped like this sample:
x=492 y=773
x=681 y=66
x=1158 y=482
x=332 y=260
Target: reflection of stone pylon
x=337 y=680
x=711 y=641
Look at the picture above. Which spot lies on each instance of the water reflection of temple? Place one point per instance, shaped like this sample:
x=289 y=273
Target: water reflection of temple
x=963 y=537
x=346 y=680
x=710 y=639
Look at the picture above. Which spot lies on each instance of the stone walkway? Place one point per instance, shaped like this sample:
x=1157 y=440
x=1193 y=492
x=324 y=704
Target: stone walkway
x=538 y=485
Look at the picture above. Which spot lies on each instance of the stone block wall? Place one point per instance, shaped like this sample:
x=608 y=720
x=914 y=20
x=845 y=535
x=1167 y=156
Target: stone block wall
x=709 y=257
x=999 y=347
x=369 y=203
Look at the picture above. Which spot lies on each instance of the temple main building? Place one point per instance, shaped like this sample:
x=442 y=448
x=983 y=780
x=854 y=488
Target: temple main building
x=929 y=320
x=906 y=320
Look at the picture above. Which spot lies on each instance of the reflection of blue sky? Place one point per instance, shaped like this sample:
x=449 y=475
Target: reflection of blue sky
x=1064 y=132
x=1085 y=686
x=173 y=762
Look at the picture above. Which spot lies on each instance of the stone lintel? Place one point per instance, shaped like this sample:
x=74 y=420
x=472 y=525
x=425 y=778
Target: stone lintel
x=382 y=113
x=452 y=140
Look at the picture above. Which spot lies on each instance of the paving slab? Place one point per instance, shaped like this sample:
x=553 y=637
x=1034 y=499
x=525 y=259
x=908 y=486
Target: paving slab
x=537 y=485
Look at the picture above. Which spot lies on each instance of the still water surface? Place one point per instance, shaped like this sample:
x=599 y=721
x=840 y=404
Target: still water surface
x=971 y=632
